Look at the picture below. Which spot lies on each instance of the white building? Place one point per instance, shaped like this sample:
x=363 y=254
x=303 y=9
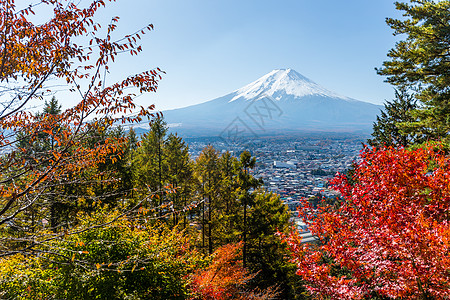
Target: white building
x=288 y=165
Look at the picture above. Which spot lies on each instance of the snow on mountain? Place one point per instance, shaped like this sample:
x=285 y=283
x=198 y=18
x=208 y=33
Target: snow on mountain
x=280 y=102
x=279 y=83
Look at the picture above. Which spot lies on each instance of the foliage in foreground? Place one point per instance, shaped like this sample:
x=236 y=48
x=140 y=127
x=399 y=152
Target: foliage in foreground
x=126 y=259
x=123 y=260
x=391 y=235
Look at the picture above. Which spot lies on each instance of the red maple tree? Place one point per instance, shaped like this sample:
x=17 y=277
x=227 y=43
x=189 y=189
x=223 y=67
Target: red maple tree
x=390 y=235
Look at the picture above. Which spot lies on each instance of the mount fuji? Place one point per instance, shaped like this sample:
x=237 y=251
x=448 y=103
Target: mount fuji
x=282 y=101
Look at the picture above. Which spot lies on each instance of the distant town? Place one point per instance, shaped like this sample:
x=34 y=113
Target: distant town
x=294 y=167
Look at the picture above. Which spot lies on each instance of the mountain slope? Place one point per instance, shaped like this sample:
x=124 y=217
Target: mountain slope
x=281 y=101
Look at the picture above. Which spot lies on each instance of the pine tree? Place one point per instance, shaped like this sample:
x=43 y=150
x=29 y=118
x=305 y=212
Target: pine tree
x=208 y=179
x=421 y=63
x=179 y=172
x=44 y=141
x=150 y=163
x=387 y=130
x=36 y=146
x=228 y=199
x=247 y=184
x=266 y=252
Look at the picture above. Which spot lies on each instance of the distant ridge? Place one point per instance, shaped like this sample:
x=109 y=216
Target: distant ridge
x=282 y=101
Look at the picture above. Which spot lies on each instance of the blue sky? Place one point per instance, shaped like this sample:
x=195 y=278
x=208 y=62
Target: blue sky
x=210 y=48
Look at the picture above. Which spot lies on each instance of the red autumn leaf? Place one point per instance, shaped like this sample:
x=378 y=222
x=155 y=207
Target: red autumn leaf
x=391 y=234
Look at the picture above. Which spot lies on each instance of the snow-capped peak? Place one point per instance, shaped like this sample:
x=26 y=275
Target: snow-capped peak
x=283 y=82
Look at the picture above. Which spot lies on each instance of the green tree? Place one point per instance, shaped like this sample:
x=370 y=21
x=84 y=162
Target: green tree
x=387 y=130
x=228 y=220
x=46 y=139
x=150 y=163
x=247 y=183
x=420 y=63
x=179 y=173
x=266 y=252
x=35 y=148
x=207 y=174
x=115 y=171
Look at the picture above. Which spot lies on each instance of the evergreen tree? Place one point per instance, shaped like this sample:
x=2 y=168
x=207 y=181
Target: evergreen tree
x=158 y=132
x=126 y=167
x=421 y=63
x=266 y=252
x=247 y=184
x=150 y=163
x=208 y=179
x=36 y=144
x=179 y=171
x=387 y=130
x=116 y=170
x=229 y=221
